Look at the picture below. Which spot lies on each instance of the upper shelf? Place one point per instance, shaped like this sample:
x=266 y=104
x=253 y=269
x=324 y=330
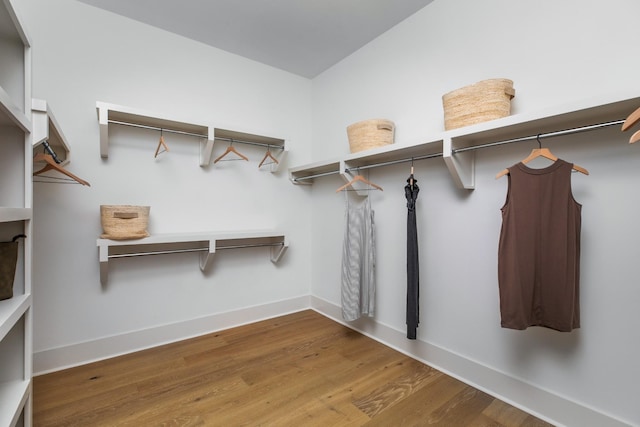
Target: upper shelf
x=461 y=164
x=46 y=129
x=117 y=114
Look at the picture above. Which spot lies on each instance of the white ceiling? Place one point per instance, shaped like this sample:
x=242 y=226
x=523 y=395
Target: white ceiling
x=304 y=37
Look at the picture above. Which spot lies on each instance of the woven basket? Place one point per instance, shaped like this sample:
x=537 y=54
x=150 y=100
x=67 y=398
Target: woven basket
x=477 y=103
x=8 y=262
x=124 y=222
x=370 y=134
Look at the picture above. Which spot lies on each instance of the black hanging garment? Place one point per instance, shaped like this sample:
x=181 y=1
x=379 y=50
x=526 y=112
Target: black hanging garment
x=413 y=289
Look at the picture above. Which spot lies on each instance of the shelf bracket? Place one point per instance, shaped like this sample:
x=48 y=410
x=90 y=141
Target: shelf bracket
x=206 y=257
x=206 y=147
x=278 y=251
x=461 y=165
x=103 y=120
x=103 y=256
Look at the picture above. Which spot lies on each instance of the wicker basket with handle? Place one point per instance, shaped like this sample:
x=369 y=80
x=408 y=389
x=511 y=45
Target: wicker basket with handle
x=480 y=102
x=124 y=222
x=369 y=134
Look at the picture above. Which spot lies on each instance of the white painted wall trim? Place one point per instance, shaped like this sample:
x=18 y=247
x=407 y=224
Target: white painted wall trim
x=56 y=359
x=545 y=405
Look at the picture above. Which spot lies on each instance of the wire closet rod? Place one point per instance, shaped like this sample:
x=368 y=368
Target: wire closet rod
x=541 y=135
x=475 y=147
x=373 y=165
x=197 y=135
x=178 y=251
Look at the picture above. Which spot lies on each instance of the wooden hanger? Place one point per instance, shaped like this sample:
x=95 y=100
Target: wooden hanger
x=161 y=144
x=630 y=121
x=230 y=149
x=268 y=155
x=635 y=137
x=361 y=179
x=52 y=165
x=542 y=152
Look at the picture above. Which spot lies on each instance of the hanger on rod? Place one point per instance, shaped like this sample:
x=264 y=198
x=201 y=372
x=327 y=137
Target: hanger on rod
x=411 y=179
x=161 y=144
x=231 y=149
x=52 y=165
x=630 y=121
x=268 y=155
x=541 y=152
x=359 y=178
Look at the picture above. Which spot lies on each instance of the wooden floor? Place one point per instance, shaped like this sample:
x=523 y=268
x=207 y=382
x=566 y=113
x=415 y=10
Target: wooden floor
x=297 y=370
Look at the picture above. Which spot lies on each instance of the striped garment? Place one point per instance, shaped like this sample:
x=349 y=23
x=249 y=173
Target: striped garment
x=358 y=261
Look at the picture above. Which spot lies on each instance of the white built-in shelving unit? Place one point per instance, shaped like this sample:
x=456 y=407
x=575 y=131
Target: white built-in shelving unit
x=207 y=134
x=206 y=243
x=16 y=201
x=457 y=146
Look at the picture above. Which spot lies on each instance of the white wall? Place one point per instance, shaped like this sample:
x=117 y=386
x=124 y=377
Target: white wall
x=556 y=53
x=81 y=55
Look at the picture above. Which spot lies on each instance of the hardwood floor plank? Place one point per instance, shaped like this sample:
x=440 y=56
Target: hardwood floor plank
x=416 y=409
x=301 y=369
x=505 y=414
x=396 y=390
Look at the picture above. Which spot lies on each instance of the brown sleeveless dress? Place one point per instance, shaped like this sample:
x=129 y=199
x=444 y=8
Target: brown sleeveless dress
x=539 y=250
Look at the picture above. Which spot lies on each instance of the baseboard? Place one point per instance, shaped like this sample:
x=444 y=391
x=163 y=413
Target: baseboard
x=56 y=359
x=545 y=405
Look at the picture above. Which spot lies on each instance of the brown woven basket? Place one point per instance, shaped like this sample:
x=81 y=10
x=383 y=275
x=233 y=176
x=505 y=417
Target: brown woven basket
x=370 y=134
x=8 y=261
x=477 y=103
x=124 y=222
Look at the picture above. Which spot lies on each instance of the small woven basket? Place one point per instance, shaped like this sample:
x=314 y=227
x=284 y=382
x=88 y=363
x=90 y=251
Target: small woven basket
x=477 y=103
x=370 y=134
x=124 y=222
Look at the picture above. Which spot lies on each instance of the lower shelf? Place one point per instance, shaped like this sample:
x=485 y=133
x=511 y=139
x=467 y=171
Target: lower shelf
x=13 y=397
x=206 y=243
x=11 y=310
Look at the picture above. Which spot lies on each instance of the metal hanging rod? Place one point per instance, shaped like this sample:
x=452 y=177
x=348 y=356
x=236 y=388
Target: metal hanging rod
x=318 y=175
x=394 y=162
x=178 y=251
x=197 y=135
x=136 y=125
x=540 y=135
x=374 y=165
x=261 y=144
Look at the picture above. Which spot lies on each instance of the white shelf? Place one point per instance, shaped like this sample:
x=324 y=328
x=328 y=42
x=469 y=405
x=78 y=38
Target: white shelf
x=13 y=396
x=46 y=128
x=462 y=165
x=11 y=114
x=15 y=214
x=206 y=243
x=208 y=134
x=11 y=310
